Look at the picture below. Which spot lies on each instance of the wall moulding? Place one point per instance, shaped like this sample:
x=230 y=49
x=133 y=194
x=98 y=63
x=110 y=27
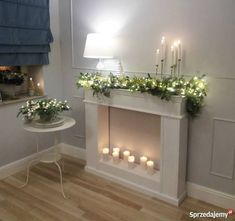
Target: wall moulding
x=223 y=151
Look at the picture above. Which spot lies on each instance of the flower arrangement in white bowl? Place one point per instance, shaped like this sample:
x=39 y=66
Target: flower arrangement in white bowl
x=47 y=110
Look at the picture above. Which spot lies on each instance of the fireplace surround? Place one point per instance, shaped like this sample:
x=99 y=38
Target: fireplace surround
x=168 y=183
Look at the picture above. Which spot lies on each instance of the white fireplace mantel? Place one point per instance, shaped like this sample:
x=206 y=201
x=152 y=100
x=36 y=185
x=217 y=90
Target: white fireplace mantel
x=169 y=182
x=141 y=102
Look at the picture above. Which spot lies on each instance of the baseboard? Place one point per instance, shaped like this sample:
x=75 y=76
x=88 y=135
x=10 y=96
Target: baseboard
x=211 y=196
x=19 y=165
x=72 y=151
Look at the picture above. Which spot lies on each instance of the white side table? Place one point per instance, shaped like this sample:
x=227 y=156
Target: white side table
x=54 y=156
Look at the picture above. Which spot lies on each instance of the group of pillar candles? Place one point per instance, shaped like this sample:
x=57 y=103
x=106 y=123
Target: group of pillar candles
x=145 y=164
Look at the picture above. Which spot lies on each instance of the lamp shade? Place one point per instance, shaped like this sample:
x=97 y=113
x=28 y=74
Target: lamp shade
x=98 y=46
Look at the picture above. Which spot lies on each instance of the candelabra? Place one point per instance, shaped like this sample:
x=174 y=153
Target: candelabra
x=156 y=69
x=179 y=67
x=174 y=69
x=176 y=58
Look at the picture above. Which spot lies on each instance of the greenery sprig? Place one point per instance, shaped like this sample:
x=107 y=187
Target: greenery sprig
x=49 y=107
x=194 y=89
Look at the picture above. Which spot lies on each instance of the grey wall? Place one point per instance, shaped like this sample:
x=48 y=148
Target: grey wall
x=207 y=30
x=15 y=143
x=76 y=135
x=53 y=76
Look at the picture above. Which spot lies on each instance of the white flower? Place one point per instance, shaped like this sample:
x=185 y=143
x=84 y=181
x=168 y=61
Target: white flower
x=171 y=89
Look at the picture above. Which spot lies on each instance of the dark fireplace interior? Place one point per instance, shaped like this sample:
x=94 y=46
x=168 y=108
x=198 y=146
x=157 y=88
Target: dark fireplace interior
x=18 y=82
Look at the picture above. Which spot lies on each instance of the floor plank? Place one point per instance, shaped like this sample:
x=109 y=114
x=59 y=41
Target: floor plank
x=91 y=198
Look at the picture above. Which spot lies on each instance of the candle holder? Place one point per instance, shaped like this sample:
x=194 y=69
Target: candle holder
x=173 y=70
x=156 y=69
x=162 y=67
x=179 y=67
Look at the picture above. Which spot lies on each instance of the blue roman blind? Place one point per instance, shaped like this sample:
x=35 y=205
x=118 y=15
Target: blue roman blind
x=25 y=34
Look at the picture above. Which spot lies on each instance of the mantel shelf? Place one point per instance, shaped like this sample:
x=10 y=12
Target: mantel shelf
x=23 y=99
x=142 y=102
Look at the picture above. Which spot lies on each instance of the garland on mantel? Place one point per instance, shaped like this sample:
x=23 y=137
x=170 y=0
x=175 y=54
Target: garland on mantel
x=194 y=89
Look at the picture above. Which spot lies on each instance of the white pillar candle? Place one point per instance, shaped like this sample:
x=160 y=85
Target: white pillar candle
x=126 y=154
x=115 y=157
x=150 y=167
x=105 y=154
x=163 y=48
x=157 y=57
x=131 y=162
x=143 y=161
x=116 y=149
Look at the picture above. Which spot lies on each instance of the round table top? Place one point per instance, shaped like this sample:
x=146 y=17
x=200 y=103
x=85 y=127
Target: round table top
x=68 y=122
x=50 y=157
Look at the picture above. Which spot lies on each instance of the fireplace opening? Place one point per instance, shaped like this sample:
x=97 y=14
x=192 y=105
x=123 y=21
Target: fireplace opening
x=136 y=132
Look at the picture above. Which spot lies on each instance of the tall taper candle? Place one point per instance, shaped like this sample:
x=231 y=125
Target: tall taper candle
x=157 y=57
x=163 y=48
x=176 y=52
x=172 y=55
x=179 y=50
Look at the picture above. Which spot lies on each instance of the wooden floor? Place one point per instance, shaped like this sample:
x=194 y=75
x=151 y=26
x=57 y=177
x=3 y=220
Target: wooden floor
x=91 y=199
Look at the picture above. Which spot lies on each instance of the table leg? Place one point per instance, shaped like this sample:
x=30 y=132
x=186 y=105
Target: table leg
x=28 y=171
x=61 y=179
x=62 y=164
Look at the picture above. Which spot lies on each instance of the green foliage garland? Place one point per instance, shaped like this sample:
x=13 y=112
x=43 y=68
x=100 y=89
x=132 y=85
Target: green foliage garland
x=194 y=89
x=11 y=77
